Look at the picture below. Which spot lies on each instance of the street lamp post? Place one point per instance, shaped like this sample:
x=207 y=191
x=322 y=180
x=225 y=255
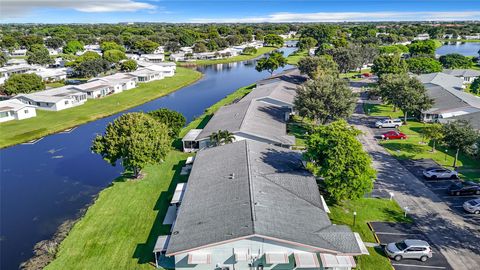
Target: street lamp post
x=446 y=151
x=354 y=217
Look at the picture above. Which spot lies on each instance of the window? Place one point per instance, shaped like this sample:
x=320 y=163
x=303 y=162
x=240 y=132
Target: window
x=4 y=114
x=25 y=111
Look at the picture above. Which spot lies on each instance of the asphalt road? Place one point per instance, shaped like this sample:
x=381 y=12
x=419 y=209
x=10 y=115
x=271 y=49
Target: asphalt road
x=457 y=240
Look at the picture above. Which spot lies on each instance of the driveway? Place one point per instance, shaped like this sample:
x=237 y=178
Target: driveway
x=457 y=240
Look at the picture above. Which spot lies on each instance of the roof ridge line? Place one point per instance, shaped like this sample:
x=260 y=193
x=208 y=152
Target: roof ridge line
x=246 y=112
x=250 y=187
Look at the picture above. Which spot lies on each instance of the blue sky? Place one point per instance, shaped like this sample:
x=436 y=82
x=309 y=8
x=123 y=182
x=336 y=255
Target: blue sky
x=112 y=11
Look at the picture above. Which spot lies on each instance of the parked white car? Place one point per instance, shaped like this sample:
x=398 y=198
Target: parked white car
x=472 y=206
x=439 y=173
x=389 y=123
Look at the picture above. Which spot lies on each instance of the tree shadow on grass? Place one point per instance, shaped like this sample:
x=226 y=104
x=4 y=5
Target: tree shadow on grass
x=409 y=149
x=144 y=251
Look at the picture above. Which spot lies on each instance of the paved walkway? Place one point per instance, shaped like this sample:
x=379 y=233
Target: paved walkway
x=458 y=241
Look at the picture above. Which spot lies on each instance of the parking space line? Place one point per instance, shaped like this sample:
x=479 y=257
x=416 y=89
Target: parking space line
x=390 y=233
x=416 y=265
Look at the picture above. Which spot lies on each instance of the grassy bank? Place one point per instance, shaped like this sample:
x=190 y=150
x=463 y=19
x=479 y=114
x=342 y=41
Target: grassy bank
x=120 y=229
x=237 y=58
x=293 y=58
x=47 y=122
x=415 y=147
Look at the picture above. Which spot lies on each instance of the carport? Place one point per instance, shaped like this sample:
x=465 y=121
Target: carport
x=387 y=232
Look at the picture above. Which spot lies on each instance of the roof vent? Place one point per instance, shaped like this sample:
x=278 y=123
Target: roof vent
x=232 y=176
x=175 y=233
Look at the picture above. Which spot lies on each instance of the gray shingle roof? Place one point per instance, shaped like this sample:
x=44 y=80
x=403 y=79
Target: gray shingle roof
x=250 y=188
x=472 y=118
x=447 y=93
x=280 y=90
x=254 y=118
x=462 y=72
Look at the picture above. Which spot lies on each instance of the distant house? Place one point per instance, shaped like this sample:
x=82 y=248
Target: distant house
x=146 y=74
x=472 y=118
x=177 y=57
x=248 y=120
x=424 y=36
x=96 y=89
x=251 y=205
x=152 y=58
x=467 y=75
x=7 y=71
x=119 y=81
x=52 y=74
x=14 y=109
x=449 y=99
x=16 y=61
x=55 y=99
x=18 y=53
x=133 y=56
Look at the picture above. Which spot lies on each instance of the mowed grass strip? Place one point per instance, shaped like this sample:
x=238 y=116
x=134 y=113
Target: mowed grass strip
x=47 y=122
x=120 y=229
x=238 y=58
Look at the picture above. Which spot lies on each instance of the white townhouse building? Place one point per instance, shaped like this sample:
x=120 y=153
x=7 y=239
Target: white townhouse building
x=95 y=89
x=467 y=75
x=119 y=81
x=7 y=71
x=251 y=206
x=51 y=74
x=146 y=74
x=14 y=109
x=55 y=99
x=152 y=58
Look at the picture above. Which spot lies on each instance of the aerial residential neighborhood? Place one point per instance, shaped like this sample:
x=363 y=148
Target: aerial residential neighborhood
x=240 y=135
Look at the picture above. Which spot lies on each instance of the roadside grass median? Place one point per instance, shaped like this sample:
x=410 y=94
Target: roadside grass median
x=368 y=210
x=418 y=147
x=238 y=58
x=49 y=122
x=120 y=229
x=295 y=57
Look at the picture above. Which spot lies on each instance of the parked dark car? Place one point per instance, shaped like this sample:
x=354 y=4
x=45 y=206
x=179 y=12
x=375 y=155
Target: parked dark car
x=464 y=188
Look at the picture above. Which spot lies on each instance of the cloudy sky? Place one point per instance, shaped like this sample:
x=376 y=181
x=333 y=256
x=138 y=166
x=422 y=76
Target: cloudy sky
x=112 y=11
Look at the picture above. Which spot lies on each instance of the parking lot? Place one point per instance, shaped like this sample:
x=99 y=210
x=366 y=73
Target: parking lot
x=440 y=187
x=394 y=232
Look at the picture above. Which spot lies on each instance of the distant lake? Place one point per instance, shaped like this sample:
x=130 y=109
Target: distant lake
x=464 y=48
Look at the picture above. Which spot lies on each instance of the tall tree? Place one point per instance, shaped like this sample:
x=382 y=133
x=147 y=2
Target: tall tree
x=23 y=83
x=135 y=139
x=73 y=47
x=460 y=136
x=389 y=64
x=38 y=54
x=110 y=45
x=434 y=133
x=306 y=43
x=54 y=42
x=475 y=86
x=404 y=92
x=273 y=40
x=422 y=65
x=172 y=119
x=3 y=59
x=271 y=63
x=347 y=58
x=315 y=66
x=325 y=99
x=425 y=48
x=129 y=65
x=455 y=60
x=114 y=56
x=335 y=154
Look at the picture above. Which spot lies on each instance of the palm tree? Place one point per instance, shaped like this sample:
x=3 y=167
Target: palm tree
x=215 y=138
x=226 y=137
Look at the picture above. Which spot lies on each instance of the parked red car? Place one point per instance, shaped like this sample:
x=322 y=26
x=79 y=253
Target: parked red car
x=394 y=135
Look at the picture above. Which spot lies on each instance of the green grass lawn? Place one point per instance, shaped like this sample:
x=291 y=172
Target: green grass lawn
x=352 y=74
x=415 y=147
x=47 y=122
x=293 y=58
x=55 y=84
x=237 y=58
x=376 y=260
x=298 y=128
x=368 y=210
x=120 y=229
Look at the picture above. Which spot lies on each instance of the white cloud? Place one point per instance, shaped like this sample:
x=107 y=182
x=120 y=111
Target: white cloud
x=19 y=8
x=351 y=16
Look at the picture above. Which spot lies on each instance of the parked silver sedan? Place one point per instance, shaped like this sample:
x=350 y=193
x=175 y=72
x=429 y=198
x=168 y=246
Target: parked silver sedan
x=472 y=206
x=409 y=249
x=439 y=173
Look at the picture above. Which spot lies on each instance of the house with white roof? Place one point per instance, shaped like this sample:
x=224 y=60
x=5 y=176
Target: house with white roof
x=467 y=75
x=250 y=205
x=119 y=81
x=18 y=53
x=51 y=74
x=96 y=89
x=7 y=71
x=423 y=36
x=55 y=99
x=147 y=74
x=152 y=58
x=14 y=109
x=449 y=99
